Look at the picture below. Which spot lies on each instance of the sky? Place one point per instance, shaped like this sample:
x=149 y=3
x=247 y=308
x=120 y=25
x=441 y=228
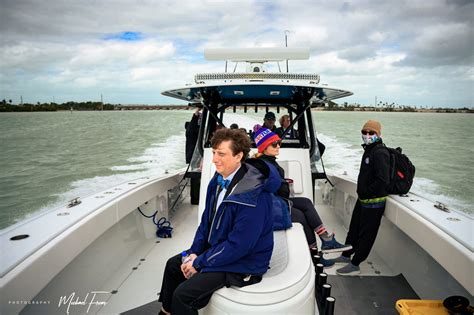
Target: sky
x=407 y=52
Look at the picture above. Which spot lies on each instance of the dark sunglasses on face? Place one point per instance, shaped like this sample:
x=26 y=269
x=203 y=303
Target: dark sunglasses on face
x=364 y=132
x=276 y=143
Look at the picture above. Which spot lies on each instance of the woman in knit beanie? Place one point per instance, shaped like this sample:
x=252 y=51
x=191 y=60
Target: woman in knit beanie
x=264 y=137
x=373 y=125
x=371 y=132
x=303 y=211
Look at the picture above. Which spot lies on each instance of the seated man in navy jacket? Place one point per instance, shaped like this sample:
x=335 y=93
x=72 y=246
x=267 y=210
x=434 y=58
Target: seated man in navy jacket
x=234 y=241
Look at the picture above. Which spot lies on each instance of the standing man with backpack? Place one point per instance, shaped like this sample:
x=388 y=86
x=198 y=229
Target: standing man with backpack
x=372 y=190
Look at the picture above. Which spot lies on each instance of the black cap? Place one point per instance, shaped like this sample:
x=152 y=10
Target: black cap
x=270 y=116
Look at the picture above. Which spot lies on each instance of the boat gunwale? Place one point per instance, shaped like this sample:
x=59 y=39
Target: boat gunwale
x=88 y=210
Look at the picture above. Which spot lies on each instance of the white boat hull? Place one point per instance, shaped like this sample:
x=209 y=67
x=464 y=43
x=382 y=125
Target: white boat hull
x=99 y=253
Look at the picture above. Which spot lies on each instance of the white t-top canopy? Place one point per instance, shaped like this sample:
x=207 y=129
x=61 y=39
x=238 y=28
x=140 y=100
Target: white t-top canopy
x=257 y=54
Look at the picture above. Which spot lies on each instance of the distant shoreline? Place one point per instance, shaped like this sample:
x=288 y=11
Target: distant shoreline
x=98 y=106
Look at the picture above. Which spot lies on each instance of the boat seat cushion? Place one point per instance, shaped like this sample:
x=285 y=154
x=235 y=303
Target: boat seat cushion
x=279 y=259
x=289 y=273
x=293 y=170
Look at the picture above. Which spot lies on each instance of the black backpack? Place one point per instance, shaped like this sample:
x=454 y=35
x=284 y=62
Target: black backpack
x=402 y=172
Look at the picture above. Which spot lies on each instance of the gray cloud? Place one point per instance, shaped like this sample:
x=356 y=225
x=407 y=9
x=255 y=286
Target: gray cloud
x=61 y=42
x=405 y=26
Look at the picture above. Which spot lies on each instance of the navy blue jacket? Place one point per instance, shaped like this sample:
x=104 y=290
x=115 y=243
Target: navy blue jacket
x=239 y=238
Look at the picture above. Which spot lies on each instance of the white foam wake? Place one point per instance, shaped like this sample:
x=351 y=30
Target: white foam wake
x=242 y=120
x=155 y=160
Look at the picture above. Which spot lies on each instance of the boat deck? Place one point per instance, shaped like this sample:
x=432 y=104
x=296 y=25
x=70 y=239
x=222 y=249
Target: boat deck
x=373 y=266
x=138 y=281
x=136 y=287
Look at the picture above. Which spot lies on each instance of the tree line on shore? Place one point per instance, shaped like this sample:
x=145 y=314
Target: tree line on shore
x=392 y=107
x=7 y=106
x=52 y=107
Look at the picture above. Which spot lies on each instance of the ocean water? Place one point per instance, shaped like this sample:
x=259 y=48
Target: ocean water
x=440 y=146
x=47 y=159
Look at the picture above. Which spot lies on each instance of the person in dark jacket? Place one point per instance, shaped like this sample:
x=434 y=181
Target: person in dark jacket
x=234 y=241
x=285 y=122
x=269 y=121
x=372 y=185
x=303 y=210
x=192 y=131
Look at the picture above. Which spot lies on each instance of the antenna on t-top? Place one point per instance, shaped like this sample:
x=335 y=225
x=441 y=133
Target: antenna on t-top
x=286 y=45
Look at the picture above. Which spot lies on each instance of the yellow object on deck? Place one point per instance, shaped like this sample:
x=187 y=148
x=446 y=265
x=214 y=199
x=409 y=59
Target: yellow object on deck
x=421 y=307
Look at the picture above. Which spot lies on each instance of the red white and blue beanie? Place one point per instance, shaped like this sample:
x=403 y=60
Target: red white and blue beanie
x=263 y=137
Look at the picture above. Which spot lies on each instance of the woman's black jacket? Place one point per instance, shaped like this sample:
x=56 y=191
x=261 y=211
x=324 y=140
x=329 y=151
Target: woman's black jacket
x=374 y=174
x=284 y=190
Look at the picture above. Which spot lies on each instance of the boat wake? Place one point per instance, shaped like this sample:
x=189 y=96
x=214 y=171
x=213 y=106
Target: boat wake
x=156 y=160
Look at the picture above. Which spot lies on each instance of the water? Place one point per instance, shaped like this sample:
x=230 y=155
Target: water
x=47 y=159
x=440 y=146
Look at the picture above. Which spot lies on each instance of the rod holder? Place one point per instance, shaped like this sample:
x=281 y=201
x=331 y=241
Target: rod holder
x=330 y=304
x=316 y=259
x=323 y=278
x=325 y=292
x=319 y=269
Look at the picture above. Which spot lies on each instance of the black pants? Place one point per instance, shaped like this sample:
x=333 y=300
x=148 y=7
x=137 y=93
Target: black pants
x=365 y=223
x=185 y=296
x=297 y=216
x=303 y=212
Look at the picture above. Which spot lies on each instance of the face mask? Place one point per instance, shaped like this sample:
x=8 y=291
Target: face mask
x=368 y=139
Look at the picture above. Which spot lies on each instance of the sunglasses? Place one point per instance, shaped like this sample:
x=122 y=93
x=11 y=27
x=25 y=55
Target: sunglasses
x=275 y=144
x=364 y=132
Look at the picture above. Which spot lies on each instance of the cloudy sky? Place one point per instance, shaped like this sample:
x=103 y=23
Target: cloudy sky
x=410 y=52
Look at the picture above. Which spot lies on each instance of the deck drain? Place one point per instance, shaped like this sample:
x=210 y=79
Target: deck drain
x=19 y=237
x=109 y=192
x=377 y=272
x=143 y=259
x=60 y=214
x=157 y=242
x=100 y=197
x=114 y=292
x=117 y=188
x=134 y=268
x=132 y=183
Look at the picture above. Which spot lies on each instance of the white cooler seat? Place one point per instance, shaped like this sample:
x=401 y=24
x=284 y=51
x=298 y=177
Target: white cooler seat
x=287 y=287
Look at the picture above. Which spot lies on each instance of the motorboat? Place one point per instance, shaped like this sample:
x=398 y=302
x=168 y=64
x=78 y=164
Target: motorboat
x=101 y=255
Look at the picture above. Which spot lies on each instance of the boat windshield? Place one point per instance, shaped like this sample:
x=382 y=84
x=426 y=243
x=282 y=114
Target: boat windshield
x=299 y=133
